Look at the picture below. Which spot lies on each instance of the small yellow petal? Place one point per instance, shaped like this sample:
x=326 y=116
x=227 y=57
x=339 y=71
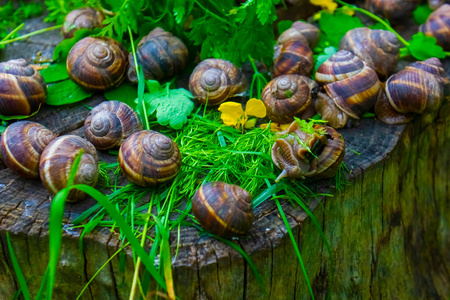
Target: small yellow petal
x=255 y=108
x=231 y=113
x=275 y=126
x=250 y=123
x=347 y=10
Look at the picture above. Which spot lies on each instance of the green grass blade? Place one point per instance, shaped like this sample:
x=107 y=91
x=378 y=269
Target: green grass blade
x=17 y=270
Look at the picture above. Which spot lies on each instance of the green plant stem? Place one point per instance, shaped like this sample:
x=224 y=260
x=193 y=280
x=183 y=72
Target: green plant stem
x=213 y=14
x=376 y=18
x=13 y=32
x=23 y=37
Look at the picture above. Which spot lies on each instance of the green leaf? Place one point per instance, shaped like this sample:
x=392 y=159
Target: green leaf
x=179 y=10
x=284 y=25
x=336 y=26
x=55 y=72
x=264 y=10
x=65 y=92
x=17 y=270
x=126 y=92
x=327 y=53
x=421 y=13
x=424 y=47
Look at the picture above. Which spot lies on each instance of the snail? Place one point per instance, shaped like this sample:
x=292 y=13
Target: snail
x=293 y=54
x=148 y=158
x=289 y=96
x=395 y=11
x=438 y=26
x=435 y=4
x=97 y=64
x=57 y=160
x=224 y=209
x=22 y=89
x=420 y=87
x=86 y=17
x=300 y=154
x=160 y=54
x=351 y=88
x=378 y=48
x=110 y=123
x=215 y=80
x=21 y=147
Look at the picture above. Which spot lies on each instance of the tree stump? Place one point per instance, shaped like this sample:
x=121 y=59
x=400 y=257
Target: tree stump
x=388 y=229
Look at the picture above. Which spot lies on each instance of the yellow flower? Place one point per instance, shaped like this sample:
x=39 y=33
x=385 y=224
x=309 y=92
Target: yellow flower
x=275 y=126
x=327 y=5
x=347 y=10
x=234 y=115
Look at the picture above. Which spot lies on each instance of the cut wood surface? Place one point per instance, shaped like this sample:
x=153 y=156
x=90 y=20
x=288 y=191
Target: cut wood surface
x=388 y=229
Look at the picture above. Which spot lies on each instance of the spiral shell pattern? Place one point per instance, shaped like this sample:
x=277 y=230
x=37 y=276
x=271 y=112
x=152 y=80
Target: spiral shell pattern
x=97 y=64
x=110 y=123
x=148 y=158
x=378 y=48
x=224 y=209
x=394 y=10
x=438 y=26
x=289 y=96
x=215 y=80
x=21 y=147
x=86 y=17
x=22 y=89
x=57 y=161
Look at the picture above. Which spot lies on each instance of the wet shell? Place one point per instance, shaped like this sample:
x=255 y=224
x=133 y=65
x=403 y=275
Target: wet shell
x=293 y=57
x=97 y=64
x=394 y=10
x=57 y=160
x=148 y=158
x=22 y=89
x=110 y=123
x=223 y=209
x=86 y=17
x=438 y=26
x=301 y=31
x=215 y=80
x=21 y=147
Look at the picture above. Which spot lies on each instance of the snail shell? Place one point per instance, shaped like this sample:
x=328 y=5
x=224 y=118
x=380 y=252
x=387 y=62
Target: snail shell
x=57 y=160
x=110 y=123
x=393 y=10
x=86 y=17
x=420 y=87
x=21 y=147
x=301 y=31
x=224 y=209
x=351 y=88
x=148 y=158
x=160 y=54
x=97 y=64
x=293 y=57
x=22 y=89
x=438 y=26
x=215 y=80
x=435 y=4
x=289 y=96
x=378 y=48
x=291 y=155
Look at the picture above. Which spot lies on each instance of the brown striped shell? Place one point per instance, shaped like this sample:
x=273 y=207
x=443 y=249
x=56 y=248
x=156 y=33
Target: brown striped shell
x=438 y=26
x=215 y=80
x=292 y=57
x=57 y=161
x=22 y=89
x=97 y=64
x=86 y=17
x=378 y=48
x=21 y=147
x=292 y=149
x=351 y=88
x=148 y=158
x=223 y=209
x=301 y=31
x=161 y=55
x=289 y=96
x=110 y=123
x=420 y=87
x=395 y=11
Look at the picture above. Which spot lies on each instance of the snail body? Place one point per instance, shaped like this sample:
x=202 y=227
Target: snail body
x=215 y=80
x=394 y=10
x=438 y=26
x=21 y=146
x=351 y=88
x=292 y=149
x=86 y=17
x=110 y=123
x=378 y=48
x=22 y=89
x=97 y=64
x=57 y=160
x=289 y=96
x=160 y=54
x=420 y=87
x=148 y=158
x=224 y=209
